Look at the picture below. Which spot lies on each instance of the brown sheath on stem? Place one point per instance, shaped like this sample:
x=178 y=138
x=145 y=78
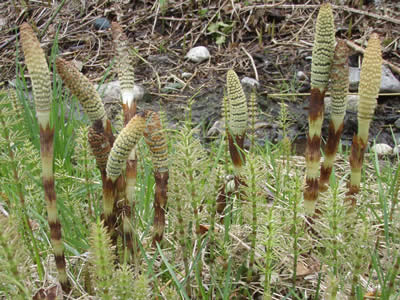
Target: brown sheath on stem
x=331 y=148
x=358 y=148
x=313 y=154
x=160 y=201
x=236 y=150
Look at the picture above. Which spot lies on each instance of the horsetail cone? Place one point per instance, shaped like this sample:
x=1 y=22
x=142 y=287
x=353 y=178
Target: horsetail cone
x=370 y=80
x=339 y=89
x=124 y=64
x=83 y=89
x=40 y=76
x=39 y=72
x=324 y=43
x=238 y=118
x=157 y=142
x=320 y=69
x=123 y=146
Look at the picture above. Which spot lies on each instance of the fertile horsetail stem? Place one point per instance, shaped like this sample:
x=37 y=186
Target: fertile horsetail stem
x=157 y=142
x=370 y=80
x=124 y=65
x=119 y=154
x=238 y=118
x=40 y=76
x=339 y=88
x=320 y=69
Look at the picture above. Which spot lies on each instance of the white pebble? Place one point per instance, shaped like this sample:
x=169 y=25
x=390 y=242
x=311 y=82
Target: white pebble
x=198 y=54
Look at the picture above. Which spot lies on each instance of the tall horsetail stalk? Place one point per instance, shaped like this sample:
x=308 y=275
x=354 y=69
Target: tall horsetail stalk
x=37 y=66
x=339 y=89
x=320 y=69
x=156 y=140
x=126 y=77
x=123 y=146
x=370 y=81
x=100 y=135
x=238 y=118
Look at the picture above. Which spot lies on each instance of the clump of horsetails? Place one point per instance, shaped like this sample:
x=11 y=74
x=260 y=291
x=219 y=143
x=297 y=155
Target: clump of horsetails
x=37 y=66
x=111 y=153
x=322 y=55
x=195 y=177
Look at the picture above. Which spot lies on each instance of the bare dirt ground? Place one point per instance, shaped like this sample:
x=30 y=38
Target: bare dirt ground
x=267 y=40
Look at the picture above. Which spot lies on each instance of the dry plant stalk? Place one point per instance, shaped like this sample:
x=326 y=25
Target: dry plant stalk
x=37 y=66
x=156 y=140
x=370 y=81
x=339 y=89
x=320 y=69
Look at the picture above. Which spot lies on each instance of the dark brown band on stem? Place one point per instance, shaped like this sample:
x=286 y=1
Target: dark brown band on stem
x=46 y=140
x=316 y=105
x=131 y=168
x=129 y=112
x=331 y=148
x=311 y=189
x=332 y=144
x=236 y=150
x=357 y=153
x=313 y=152
x=160 y=201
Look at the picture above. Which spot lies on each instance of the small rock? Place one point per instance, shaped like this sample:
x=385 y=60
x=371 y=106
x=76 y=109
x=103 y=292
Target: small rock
x=397 y=123
x=352 y=104
x=261 y=125
x=186 y=75
x=250 y=82
x=389 y=83
x=111 y=91
x=101 y=24
x=354 y=79
x=217 y=128
x=396 y=150
x=382 y=149
x=198 y=54
x=172 y=87
x=78 y=64
x=301 y=75
x=309 y=58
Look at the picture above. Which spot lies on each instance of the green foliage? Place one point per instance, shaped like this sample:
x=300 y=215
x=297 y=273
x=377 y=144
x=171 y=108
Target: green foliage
x=102 y=260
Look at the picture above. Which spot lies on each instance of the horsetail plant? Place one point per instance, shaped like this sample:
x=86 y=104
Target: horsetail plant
x=37 y=66
x=126 y=77
x=123 y=145
x=370 y=80
x=100 y=135
x=320 y=69
x=238 y=118
x=156 y=140
x=339 y=89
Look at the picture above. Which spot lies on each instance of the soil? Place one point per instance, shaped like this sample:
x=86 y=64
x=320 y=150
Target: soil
x=278 y=38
